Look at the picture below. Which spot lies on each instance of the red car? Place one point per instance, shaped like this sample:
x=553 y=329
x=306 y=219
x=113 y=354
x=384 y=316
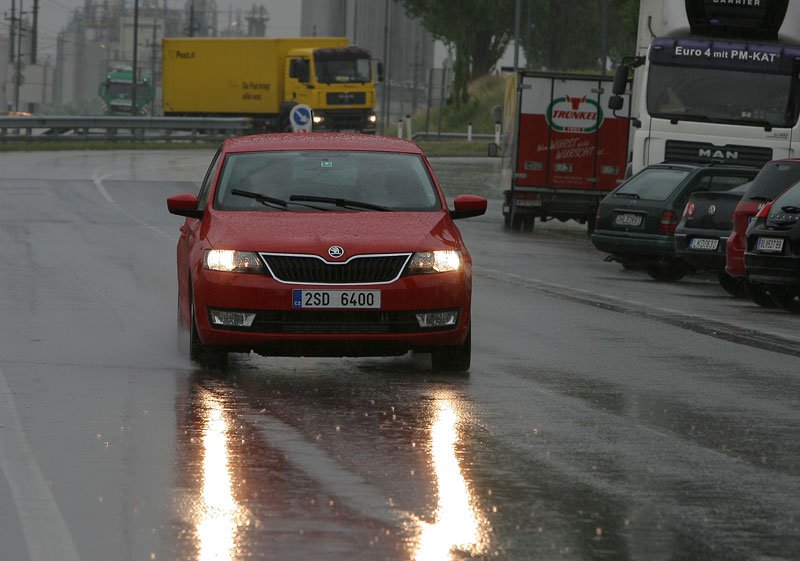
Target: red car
x=323 y=244
x=771 y=181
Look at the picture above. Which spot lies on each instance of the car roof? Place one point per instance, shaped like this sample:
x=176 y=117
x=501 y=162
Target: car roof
x=318 y=141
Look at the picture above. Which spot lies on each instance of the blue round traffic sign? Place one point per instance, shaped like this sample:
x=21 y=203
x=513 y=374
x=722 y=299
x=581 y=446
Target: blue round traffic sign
x=300 y=118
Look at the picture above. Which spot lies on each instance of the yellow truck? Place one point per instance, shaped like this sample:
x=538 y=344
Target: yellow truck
x=263 y=78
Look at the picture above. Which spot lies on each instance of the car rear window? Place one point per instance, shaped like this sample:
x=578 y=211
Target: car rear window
x=789 y=198
x=655 y=184
x=773 y=178
x=395 y=181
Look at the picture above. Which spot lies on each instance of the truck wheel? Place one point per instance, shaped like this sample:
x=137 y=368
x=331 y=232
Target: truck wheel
x=528 y=222
x=516 y=225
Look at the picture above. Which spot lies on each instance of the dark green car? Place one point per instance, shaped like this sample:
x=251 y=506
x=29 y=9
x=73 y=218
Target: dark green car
x=636 y=222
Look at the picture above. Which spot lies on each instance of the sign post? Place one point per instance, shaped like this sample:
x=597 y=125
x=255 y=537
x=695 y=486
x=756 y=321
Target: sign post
x=301 y=118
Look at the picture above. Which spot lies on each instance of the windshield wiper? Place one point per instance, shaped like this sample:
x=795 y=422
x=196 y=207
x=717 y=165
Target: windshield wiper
x=760 y=198
x=764 y=123
x=263 y=199
x=344 y=203
x=629 y=195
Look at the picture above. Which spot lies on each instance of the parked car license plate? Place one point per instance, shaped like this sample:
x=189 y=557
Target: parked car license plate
x=628 y=219
x=704 y=243
x=771 y=245
x=529 y=202
x=339 y=299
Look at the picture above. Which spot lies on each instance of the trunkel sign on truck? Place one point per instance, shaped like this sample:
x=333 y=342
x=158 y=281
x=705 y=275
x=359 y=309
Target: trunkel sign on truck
x=562 y=151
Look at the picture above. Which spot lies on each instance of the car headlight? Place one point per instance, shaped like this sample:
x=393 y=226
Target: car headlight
x=232 y=261
x=440 y=261
x=318 y=119
x=373 y=118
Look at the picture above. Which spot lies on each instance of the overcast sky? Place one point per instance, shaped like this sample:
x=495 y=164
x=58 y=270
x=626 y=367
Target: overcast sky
x=54 y=15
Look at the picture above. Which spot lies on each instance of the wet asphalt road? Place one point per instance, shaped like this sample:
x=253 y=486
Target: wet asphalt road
x=606 y=416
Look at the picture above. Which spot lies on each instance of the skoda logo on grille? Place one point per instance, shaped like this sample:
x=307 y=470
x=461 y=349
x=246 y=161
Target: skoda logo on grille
x=335 y=251
x=712 y=209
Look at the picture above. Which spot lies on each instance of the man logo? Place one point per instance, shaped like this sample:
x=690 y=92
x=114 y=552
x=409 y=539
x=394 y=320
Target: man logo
x=335 y=251
x=717 y=154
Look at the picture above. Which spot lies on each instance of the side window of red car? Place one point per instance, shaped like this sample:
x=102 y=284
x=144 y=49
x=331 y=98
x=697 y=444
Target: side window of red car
x=205 y=188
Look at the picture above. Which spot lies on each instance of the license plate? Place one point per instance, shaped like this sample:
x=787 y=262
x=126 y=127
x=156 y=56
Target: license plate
x=529 y=202
x=627 y=219
x=339 y=299
x=704 y=243
x=770 y=245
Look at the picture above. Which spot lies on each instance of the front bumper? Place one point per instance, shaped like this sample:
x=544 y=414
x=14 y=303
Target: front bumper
x=280 y=329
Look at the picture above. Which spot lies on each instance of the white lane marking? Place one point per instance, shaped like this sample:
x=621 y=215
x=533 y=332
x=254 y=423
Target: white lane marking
x=98 y=181
x=349 y=488
x=46 y=533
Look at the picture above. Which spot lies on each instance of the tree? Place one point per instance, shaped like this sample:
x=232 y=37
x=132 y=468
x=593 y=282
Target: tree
x=477 y=30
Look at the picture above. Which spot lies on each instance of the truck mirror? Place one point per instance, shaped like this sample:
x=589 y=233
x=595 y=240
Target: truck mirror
x=620 y=80
x=615 y=102
x=380 y=71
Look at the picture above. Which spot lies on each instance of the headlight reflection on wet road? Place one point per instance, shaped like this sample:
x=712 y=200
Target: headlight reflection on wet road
x=458 y=523
x=217 y=519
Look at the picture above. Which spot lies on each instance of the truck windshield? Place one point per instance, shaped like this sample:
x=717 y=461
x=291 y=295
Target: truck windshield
x=343 y=70
x=123 y=90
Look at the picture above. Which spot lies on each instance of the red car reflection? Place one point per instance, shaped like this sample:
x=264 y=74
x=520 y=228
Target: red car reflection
x=323 y=245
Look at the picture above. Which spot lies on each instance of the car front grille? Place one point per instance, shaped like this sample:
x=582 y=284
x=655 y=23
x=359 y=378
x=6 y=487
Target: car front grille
x=347 y=98
x=361 y=269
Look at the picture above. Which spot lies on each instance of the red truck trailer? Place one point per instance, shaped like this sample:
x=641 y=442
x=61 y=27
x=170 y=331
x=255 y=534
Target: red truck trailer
x=562 y=151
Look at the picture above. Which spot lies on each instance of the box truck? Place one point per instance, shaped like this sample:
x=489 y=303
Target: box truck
x=562 y=152
x=263 y=78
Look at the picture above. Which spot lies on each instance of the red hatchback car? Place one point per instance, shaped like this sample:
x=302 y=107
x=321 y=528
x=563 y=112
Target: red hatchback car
x=323 y=244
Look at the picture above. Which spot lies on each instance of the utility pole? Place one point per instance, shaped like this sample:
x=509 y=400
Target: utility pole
x=387 y=89
x=18 y=73
x=517 y=17
x=153 y=67
x=134 y=112
x=12 y=30
x=35 y=32
x=191 y=19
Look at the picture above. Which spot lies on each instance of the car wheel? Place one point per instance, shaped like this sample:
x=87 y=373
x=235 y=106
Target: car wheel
x=667 y=271
x=200 y=353
x=758 y=294
x=732 y=285
x=785 y=298
x=453 y=359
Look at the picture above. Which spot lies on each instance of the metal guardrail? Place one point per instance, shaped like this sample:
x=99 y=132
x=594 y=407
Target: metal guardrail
x=450 y=135
x=168 y=129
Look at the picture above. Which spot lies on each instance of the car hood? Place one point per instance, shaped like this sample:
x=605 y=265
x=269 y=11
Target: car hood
x=314 y=232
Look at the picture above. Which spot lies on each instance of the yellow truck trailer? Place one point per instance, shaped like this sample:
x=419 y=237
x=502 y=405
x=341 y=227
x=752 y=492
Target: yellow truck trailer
x=263 y=78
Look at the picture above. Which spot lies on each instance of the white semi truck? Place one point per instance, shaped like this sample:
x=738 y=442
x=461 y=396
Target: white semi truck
x=716 y=81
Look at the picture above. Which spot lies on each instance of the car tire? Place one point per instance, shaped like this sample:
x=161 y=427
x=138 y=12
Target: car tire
x=667 y=271
x=758 y=294
x=200 y=353
x=453 y=359
x=732 y=285
x=785 y=298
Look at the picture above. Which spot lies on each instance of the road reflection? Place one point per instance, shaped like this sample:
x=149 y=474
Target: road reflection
x=458 y=525
x=218 y=511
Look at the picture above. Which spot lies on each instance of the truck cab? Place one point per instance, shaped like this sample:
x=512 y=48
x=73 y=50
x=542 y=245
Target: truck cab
x=337 y=83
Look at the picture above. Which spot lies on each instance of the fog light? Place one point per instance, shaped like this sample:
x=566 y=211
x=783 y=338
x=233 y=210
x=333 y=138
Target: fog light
x=437 y=319
x=232 y=319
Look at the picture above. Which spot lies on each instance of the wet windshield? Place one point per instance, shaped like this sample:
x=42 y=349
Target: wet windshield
x=365 y=180
x=343 y=70
x=720 y=95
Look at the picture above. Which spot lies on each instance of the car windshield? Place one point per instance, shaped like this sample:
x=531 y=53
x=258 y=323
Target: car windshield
x=322 y=180
x=655 y=184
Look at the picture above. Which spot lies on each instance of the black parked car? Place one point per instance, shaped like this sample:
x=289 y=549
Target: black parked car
x=702 y=234
x=636 y=222
x=772 y=255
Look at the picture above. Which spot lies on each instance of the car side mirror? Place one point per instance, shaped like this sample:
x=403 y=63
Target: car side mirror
x=467 y=206
x=184 y=204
